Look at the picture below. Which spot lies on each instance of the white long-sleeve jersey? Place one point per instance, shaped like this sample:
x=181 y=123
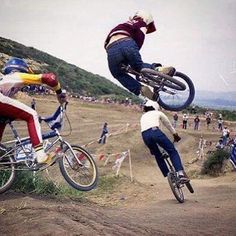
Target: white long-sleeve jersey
x=153 y=118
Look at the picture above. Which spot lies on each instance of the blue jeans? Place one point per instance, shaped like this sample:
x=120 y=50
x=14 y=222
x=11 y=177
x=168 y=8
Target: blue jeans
x=154 y=137
x=125 y=52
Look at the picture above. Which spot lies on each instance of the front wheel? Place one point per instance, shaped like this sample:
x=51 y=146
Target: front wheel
x=79 y=168
x=177 y=100
x=7 y=172
x=175 y=187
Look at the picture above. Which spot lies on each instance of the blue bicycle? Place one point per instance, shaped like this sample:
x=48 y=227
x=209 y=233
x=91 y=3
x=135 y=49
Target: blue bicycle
x=77 y=166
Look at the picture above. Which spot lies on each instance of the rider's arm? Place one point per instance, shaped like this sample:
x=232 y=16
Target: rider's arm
x=48 y=79
x=166 y=122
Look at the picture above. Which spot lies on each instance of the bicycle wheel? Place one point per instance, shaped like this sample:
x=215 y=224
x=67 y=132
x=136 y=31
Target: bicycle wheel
x=163 y=79
x=176 y=100
x=81 y=175
x=175 y=187
x=7 y=172
x=189 y=187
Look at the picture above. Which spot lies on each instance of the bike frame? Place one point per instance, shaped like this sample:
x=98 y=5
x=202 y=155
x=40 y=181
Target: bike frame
x=171 y=167
x=141 y=78
x=20 y=144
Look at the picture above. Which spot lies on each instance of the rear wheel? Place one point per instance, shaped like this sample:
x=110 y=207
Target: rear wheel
x=7 y=172
x=176 y=100
x=79 y=168
x=175 y=187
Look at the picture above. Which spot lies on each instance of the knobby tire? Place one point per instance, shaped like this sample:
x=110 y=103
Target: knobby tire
x=77 y=175
x=176 y=189
x=7 y=174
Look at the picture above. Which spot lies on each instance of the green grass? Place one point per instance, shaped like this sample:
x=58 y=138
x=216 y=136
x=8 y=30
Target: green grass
x=28 y=182
x=108 y=183
x=213 y=165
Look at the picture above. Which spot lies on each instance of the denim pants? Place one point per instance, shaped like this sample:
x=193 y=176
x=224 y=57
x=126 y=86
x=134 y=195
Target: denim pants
x=154 y=137
x=125 y=52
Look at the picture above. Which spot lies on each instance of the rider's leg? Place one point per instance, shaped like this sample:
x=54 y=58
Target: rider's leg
x=148 y=140
x=127 y=52
x=135 y=61
x=115 y=59
x=17 y=110
x=167 y=145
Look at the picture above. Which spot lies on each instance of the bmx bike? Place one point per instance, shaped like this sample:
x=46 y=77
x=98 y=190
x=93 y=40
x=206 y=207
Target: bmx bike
x=172 y=93
x=77 y=166
x=174 y=181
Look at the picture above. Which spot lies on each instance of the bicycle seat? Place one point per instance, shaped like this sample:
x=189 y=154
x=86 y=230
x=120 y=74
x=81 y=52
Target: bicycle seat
x=165 y=156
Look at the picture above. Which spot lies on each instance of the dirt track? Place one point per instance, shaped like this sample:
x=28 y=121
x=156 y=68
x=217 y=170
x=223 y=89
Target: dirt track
x=145 y=207
x=210 y=211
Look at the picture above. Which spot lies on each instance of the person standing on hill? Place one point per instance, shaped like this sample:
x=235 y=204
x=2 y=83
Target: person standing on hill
x=196 y=122
x=225 y=135
x=123 y=44
x=33 y=104
x=16 y=75
x=175 y=119
x=153 y=137
x=103 y=136
x=185 y=121
x=208 y=121
x=220 y=122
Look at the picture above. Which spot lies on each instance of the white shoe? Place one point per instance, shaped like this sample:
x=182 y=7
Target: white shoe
x=167 y=70
x=43 y=158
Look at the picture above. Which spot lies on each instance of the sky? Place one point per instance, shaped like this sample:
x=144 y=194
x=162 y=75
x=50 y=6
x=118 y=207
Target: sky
x=197 y=37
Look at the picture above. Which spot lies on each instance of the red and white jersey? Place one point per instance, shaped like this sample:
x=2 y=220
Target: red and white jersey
x=10 y=84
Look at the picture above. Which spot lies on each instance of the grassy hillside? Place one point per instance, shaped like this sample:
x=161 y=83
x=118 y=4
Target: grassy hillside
x=74 y=78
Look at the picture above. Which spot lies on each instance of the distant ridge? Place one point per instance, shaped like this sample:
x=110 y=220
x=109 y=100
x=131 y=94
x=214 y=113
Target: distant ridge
x=217 y=100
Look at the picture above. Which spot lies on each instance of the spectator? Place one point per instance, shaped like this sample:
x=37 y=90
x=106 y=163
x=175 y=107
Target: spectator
x=33 y=104
x=103 y=136
x=185 y=121
x=196 y=123
x=220 y=122
x=193 y=110
x=208 y=121
x=175 y=119
x=225 y=135
x=126 y=101
x=220 y=144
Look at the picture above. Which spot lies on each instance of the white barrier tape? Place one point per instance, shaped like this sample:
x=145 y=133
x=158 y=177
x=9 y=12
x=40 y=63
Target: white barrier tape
x=120 y=157
x=115 y=133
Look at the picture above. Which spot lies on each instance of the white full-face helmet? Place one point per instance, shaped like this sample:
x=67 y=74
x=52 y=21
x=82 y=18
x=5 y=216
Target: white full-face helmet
x=147 y=18
x=153 y=104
